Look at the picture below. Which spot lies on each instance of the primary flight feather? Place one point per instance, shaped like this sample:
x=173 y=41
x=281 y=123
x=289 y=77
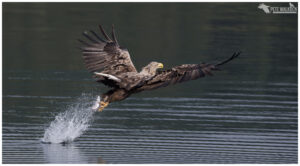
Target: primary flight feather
x=112 y=66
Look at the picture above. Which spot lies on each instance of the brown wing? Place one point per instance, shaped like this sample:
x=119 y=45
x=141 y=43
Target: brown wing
x=182 y=73
x=105 y=56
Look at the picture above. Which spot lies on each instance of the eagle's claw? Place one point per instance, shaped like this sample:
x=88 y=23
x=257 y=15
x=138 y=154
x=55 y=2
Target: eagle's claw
x=103 y=105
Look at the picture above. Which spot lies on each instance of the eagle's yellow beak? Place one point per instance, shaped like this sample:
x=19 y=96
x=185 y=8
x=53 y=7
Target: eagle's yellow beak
x=160 y=65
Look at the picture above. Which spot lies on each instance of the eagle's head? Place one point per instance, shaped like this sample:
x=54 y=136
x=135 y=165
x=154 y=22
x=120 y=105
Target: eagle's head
x=151 y=68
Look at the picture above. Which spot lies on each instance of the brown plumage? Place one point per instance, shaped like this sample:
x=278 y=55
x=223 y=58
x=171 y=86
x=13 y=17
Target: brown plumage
x=112 y=66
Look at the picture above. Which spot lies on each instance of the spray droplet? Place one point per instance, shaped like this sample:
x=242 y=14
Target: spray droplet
x=72 y=123
x=96 y=104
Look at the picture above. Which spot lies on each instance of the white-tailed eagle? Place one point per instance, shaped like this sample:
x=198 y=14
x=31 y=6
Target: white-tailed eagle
x=112 y=66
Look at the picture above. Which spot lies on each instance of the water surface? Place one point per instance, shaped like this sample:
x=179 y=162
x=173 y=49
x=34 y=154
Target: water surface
x=246 y=113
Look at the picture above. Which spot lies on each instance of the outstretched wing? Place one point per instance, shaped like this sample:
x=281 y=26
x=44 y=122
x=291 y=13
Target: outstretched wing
x=182 y=73
x=105 y=56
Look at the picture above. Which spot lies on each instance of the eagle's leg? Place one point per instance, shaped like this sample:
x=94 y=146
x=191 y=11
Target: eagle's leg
x=104 y=100
x=112 y=96
x=103 y=105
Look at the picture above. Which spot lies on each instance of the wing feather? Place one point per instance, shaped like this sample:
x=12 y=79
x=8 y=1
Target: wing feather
x=176 y=75
x=182 y=73
x=105 y=56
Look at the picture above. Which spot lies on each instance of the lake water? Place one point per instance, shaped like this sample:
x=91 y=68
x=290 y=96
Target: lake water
x=246 y=113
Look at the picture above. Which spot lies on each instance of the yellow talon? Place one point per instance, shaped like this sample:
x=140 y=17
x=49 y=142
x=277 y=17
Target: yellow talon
x=103 y=105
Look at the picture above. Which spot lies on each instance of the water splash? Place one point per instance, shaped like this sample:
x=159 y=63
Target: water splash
x=72 y=123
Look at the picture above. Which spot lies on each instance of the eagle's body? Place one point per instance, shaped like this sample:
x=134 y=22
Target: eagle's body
x=112 y=66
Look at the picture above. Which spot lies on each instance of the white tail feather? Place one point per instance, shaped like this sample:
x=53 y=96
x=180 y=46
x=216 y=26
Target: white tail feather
x=108 y=76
